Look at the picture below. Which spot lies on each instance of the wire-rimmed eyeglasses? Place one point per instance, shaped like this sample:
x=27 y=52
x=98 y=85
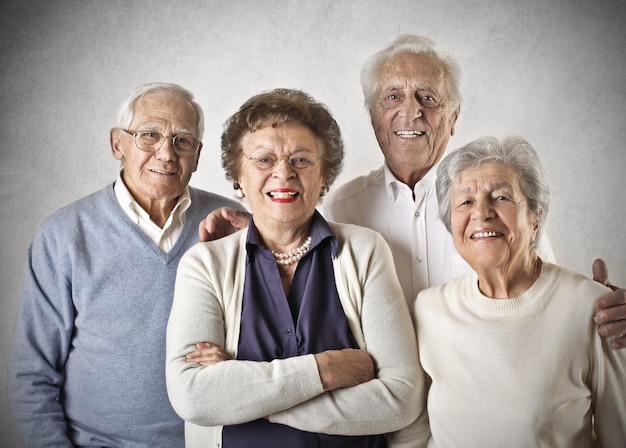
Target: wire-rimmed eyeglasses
x=268 y=160
x=151 y=141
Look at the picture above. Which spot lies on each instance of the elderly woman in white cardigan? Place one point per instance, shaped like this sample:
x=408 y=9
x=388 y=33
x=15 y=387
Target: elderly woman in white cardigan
x=510 y=352
x=294 y=332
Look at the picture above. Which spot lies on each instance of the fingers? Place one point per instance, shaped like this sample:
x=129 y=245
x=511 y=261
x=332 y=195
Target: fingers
x=619 y=343
x=237 y=219
x=208 y=228
x=203 y=233
x=611 y=317
x=614 y=329
x=207 y=354
x=222 y=222
x=600 y=272
x=614 y=303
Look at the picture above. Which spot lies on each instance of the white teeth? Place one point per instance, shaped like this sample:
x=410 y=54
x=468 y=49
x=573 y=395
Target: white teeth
x=282 y=195
x=160 y=172
x=485 y=234
x=409 y=134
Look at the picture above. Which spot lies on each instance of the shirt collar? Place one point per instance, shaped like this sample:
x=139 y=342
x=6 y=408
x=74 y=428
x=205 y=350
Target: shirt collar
x=136 y=212
x=320 y=230
x=394 y=186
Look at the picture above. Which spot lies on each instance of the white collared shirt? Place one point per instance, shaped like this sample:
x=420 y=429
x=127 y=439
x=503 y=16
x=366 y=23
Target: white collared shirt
x=164 y=237
x=423 y=249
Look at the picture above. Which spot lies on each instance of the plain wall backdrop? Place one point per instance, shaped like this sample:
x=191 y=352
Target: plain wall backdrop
x=552 y=71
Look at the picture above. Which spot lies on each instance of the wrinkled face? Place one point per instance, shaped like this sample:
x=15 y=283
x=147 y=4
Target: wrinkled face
x=161 y=175
x=411 y=115
x=490 y=220
x=284 y=194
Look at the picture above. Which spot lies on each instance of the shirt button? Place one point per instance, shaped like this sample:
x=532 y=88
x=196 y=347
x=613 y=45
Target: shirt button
x=417 y=214
x=419 y=259
x=288 y=332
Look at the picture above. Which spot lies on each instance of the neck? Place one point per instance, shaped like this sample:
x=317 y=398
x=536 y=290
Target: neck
x=283 y=238
x=159 y=210
x=511 y=280
x=409 y=175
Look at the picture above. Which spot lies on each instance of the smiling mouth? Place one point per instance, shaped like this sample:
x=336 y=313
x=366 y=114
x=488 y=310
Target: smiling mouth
x=168 y=173
x=282 y=194
x=486 y=234
x=410 y=134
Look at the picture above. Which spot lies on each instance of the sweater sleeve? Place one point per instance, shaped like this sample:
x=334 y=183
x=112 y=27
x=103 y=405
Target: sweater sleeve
x=40 y=347
x=391 y=400
x=234 y=391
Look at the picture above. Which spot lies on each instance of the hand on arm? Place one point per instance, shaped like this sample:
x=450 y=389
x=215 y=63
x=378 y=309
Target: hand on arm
x=208 y=354
x=611 y=315
x=222 y=222
x=344 y=368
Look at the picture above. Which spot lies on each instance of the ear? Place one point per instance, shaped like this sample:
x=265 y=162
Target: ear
x=239 y=185
x=536 y=219
x=454 y=117
x=116 y=144
x=195 y=162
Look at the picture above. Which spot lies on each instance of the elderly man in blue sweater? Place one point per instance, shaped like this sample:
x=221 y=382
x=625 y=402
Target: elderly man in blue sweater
x=87 y=363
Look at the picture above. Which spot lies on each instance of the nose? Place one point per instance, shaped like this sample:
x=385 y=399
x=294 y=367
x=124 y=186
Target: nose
x=283 y=169
x=411 y=108
x=167 y=151
x=483 y=210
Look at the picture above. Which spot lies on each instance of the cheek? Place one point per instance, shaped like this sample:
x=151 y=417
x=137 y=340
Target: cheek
x=437 y=122
x=458 y=223
x=251 y=181
x=381 y=120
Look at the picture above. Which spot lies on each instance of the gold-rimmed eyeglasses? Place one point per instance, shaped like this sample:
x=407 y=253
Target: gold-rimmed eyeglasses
x=151 y=141
x=268 y=160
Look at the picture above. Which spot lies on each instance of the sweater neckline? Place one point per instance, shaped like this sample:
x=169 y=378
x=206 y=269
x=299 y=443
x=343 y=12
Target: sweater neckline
x=514 y=303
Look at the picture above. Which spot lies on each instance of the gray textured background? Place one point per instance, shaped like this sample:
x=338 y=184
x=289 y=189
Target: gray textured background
x=552 y=71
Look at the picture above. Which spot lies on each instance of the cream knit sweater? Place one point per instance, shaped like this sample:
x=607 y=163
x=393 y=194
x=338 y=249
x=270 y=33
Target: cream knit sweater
x=207 y=307
x=530 y=371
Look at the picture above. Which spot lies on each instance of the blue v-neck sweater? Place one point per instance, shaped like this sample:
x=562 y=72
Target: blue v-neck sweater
x=87 y=362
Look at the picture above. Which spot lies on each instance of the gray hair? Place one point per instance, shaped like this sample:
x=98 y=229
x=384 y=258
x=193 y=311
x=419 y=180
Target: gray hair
x=511 y=151
x=126 y=110
x=409 y=43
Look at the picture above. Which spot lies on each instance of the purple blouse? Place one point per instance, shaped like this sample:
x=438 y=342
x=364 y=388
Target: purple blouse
x=275 y=326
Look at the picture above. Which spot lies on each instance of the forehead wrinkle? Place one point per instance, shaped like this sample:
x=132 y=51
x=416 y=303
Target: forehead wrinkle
x=475 y=184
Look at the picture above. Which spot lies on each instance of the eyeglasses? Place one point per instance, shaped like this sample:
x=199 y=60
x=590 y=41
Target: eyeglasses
x=151 y=141
x=268 y=160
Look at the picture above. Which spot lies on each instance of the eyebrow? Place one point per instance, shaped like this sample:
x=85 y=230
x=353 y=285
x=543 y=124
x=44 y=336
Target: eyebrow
x=262 y=148
x=158 y=128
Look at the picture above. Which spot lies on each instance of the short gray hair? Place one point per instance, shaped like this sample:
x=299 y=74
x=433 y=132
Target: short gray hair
x=512 y=151
x=126 y=110
x=409 y=43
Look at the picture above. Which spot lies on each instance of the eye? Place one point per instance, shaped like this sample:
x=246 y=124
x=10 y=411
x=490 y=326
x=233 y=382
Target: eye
x=300 y=162
x=150 y=136
x=428 y=101
x=265 y=159
x=391 y=100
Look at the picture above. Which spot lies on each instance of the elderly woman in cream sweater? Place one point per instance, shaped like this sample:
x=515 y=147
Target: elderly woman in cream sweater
x=510 y=352
x=293 y=332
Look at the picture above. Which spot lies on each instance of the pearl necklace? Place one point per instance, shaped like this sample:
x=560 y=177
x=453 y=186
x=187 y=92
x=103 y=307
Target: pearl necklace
x=293 y=255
